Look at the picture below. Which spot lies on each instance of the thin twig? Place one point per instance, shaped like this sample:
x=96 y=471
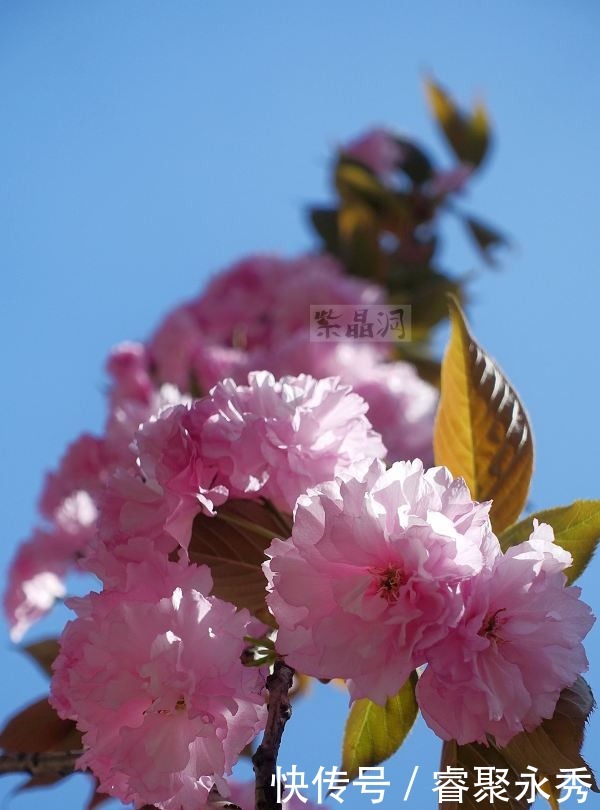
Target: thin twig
x=265 y=758
x=48 y=763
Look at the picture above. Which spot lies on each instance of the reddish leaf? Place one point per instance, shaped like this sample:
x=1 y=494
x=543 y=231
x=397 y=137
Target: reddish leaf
x=43 y=653
x=233 y=545
x=38 y=728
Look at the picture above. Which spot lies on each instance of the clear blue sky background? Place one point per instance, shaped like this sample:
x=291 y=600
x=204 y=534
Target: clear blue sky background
x=144 y=145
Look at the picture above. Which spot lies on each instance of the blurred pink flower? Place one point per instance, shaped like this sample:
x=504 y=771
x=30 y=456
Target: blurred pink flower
x=128 y=368
x=369 y=580
x=377 y=149
x=36 y=574
x=153 y=678
x=517 y=645
x=275 y=438
x=449 y=182
x=244 y=314
x=72 y=493
x=265 y=298
x=83 y=467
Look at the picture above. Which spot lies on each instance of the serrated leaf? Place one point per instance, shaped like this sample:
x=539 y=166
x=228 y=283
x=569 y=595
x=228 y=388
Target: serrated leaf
x=43 y=653
x=38 y=728
x=373 y=733
x=467 y=134
x=576 y=529
x=233 y=545
x=557 y=742
x=472 y=756
x=482 y=432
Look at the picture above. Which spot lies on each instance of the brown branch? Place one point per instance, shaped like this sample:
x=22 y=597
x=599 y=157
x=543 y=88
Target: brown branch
x=264 y=760
x=48 y=763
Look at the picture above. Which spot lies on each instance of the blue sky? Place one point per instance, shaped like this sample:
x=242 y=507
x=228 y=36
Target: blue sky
x=148 y=144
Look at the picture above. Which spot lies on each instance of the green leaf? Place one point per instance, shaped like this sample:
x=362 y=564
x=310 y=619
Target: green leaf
x=373 y=733
x=482 y=432
x=467 y=134
x=576 y=529
x=355 y=182
x=359 y=241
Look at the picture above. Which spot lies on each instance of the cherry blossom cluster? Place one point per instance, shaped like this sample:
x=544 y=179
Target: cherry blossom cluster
x=151 y=668
x=391 y=567
x=397 y=568
x=255 y=315
x=386 y=570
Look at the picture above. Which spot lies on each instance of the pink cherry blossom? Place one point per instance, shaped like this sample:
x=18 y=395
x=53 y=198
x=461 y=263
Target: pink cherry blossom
x=72 y=493
x=131 y=526
x=244 y=314
x=401 y=405
x=261 y=300
x=370 y=578
x=153 y=678
x=402 y=408
x=171 y=457
x=449 y=182
x=128 y=368
x=37 y=572
x=174 y=344
x=518 y=644
x=152 y=507
x=82 y=468
x=276 y=438
x=377 y=149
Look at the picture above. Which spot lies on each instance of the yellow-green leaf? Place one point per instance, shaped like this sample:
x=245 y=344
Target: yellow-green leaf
x=467 y=134
x=373 y=733
x=482 y=432
x=357 y=183
x=359 y=241
x=576 y=529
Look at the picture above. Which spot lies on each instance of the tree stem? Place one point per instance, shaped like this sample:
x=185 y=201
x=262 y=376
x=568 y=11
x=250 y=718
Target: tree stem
x=265 y=758
x=48 y=763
